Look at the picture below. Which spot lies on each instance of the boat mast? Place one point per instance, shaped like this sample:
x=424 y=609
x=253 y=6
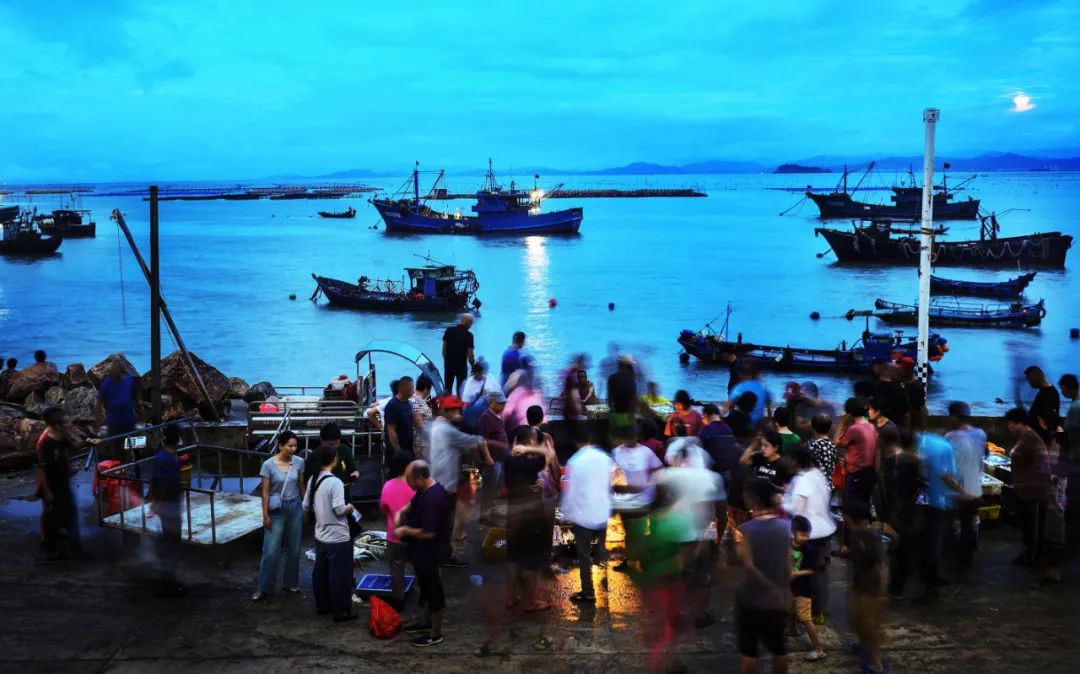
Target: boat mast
x=926 y=245
x=416 y=184
x=845 y=178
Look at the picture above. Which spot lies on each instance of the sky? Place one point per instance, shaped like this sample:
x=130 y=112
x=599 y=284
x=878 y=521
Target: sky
x=132 y=90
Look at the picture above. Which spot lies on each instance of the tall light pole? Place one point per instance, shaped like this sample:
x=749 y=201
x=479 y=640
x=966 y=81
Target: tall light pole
x=926 y=244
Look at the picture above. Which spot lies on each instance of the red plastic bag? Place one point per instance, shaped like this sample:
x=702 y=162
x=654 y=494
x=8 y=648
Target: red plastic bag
x=385 y=621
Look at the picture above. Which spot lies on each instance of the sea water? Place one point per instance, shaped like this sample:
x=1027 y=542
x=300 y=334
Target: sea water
x=229 y=267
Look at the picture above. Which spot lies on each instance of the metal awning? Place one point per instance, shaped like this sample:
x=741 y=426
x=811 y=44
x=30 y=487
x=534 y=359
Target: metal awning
x=407 y=352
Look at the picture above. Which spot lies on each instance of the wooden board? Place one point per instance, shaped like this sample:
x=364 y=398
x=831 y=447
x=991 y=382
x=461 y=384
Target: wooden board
x=235 y=515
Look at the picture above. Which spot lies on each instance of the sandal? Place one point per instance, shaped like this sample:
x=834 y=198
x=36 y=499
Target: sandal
x=258 y=596
x=538 y=606
x=815 y=655
x=294 y=589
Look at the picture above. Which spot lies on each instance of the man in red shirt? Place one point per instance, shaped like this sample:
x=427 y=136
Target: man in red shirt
x=858 y=440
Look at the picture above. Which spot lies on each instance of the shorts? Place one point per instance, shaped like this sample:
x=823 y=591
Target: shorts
x=431 y=587
x=753 y=626
x=800 y=608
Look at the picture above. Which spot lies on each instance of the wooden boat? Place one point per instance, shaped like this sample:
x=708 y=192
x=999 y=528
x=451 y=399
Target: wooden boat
x=431 y=288
x=907 y=202
x=883 y=243
x=68 y=223
x=958 y=314
x=1014 y=287
x=20 y=237
x=8 y=213
x=351 y=213
x=711 y=347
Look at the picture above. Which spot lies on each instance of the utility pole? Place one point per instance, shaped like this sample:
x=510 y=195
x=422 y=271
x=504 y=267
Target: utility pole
x=926 y=244
x=155 y=310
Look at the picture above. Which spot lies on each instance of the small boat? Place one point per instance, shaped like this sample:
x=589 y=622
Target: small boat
x=959 y=314
x=68 y=223
x=21 y=237
x=498 y=211
x=712 y=347
x=351 y=213
x=431 y=288
x=8 y=213
x=907 y=202
x=882 y=243
x=1014 y=287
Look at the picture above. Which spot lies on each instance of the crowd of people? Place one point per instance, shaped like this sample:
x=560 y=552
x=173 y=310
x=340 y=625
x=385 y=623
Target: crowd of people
x=776 y=486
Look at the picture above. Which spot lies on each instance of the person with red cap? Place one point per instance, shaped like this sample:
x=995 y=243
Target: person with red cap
x=447 y=447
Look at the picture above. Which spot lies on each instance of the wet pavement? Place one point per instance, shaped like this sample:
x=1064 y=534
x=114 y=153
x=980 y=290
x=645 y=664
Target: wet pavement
x=103 y=615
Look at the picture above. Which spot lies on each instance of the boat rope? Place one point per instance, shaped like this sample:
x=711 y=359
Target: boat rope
x=798 y=204
x=120 y=265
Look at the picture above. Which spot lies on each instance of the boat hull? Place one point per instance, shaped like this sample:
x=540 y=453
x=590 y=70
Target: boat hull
x=1037 y=250
x=403 y=219
x=31 y=246
x=839 y=205
x=1014 y=287
x=1017 y=316
x=8 y=213
x=87 y=231
x=349 y=295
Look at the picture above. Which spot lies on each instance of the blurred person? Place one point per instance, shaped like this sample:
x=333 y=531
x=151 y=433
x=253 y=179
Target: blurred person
x=457 y=352
x=528 y=534
x=638 y=463
x=1054 y=535
x=905 y=523
x=1045 y=409
x=805 y=567
x=54 y=472
x=376 y=410
x=875 y=413
x=809 y=404
x=586 y=504
x=810 y=495
x=763 y=597
x=573 y=407
x=551 y=476
x=717 y=439
x=782 y=419
x=399 y=419
x=448 y=447
x=164 y=496
x=512 y=357
x=522 y=392
x=942 y=487
x=282 y=496
x=425 y=525
x=857 y=437
x=667 y=558
x=422 y=414
x=916 y=393
x=750 y=382
x=1070 y=388
x=684 y=415
x=689 y=445
x=739 y=419
x=479 y=384
x=891 y=395
x=969 y=450
x=491 y=428
x=396 y=494
x=622 y=397
x=1031 y=481
x=331 y=577
x=822 y=450
x=652 y=395
x=885 y=493
x=763 y=458
x=118 y=392
x=5 y=376
x=586 y=390
x=867 y=602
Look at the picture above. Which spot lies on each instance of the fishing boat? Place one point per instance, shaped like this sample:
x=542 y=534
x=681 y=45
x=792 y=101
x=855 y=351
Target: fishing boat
x=967 y=315
x=710 y=346
x=883 y=243
x=21 y=237
x=433 y=287
x=907 y=202
x=1013 y=287
x=351 y=213
x=498 y=210
x=8 y=213
x=68 y=223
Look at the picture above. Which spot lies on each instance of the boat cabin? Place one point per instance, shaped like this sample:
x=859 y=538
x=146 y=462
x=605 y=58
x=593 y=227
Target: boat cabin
x=433 y=281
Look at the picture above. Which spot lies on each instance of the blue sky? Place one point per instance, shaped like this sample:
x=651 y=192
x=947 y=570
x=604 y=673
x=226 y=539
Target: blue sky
x=114 y=89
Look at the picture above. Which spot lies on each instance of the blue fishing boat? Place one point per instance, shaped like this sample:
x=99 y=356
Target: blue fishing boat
x=960 y=314
x=1013 y=287
x=498 y=211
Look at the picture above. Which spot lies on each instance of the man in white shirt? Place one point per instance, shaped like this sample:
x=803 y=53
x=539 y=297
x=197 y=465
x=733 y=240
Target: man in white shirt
x=638 y=463
x=586 y=503
x=969 y=450
x=331 y=579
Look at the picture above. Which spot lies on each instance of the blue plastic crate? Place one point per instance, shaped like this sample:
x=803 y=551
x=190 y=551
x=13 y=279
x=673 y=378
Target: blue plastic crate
x=378 y=584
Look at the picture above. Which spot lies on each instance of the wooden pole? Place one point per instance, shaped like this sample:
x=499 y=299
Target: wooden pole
x=155 y=310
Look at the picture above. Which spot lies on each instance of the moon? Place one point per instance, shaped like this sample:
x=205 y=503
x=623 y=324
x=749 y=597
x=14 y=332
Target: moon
x=1022 y=102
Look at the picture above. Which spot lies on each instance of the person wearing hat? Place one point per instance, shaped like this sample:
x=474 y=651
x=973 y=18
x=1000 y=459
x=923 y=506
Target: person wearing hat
x=490 y=427
x=969 y=449
x=448 y=445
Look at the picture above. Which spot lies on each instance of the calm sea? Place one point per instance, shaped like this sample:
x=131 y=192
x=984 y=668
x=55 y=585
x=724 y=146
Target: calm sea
x=228 y=269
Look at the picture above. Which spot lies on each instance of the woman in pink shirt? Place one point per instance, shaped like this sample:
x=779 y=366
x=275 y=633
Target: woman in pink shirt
x=396 y=494
x=520 y=396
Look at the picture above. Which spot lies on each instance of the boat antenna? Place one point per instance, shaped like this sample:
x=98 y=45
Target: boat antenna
x=869 y=168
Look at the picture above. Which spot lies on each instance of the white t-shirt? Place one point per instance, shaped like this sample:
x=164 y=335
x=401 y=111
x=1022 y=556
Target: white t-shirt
x=586 y=494
x=695 y=453
x=473 y=388
x=809 y=494
x=329 y=504
x=638 y=463
x=695 y=490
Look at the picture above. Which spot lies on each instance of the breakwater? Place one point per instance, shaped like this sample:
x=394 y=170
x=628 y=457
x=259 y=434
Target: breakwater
x=642 y=193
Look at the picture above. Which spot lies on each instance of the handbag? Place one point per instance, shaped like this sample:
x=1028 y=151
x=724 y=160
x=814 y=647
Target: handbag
x=275 y=499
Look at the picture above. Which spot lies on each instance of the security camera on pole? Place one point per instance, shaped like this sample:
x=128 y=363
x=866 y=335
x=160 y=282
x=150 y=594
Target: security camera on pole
x=926 y=244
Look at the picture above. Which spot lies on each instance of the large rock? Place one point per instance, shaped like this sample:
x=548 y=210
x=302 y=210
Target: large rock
x=75 y=376
x=177 y=382
x=238 y=388
x=260 y=392
x=99 y=371
x=81 y=404
x=38 y=378
x=35 y=405
x=54 y=396
x=17 y=460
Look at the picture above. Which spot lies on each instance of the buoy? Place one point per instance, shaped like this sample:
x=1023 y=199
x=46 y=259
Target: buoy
x=292 y=296
x=814 y=315
x=611 y=306
x=553 y=303
x=684 y=357
x=1074 y=333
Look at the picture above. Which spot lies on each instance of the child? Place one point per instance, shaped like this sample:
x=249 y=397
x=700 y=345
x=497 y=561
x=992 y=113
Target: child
x=804 y=563
x=867 y=601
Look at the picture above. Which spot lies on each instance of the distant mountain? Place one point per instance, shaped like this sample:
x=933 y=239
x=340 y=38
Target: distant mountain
x=723 y=166
x=798 y=168
x=638 y=168
x=988 y=162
